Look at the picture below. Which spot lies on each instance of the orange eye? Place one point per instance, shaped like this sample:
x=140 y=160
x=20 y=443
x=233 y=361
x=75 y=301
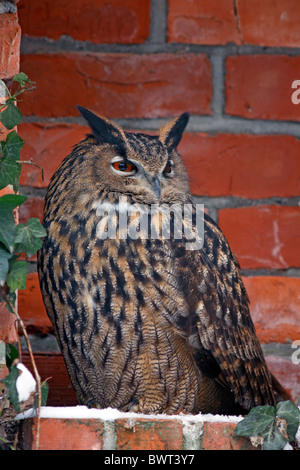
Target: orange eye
x=168 y=169
x=125 y=167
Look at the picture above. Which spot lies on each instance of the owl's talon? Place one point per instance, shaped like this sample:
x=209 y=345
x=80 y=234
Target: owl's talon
x=134 y=406
x=91 y=403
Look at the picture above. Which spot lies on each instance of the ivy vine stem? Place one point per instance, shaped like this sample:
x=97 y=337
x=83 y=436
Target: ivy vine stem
x=35 y=370
x=31 y=162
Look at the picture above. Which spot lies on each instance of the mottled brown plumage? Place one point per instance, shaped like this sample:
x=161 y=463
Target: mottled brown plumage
x=144 y=323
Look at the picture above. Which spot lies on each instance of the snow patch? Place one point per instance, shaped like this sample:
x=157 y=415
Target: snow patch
x=25 y=383
x=110 y=414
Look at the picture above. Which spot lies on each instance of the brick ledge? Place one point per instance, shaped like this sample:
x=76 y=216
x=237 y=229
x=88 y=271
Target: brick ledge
x=80 y=428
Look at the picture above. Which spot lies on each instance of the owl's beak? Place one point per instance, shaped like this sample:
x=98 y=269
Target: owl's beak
x=156 y=187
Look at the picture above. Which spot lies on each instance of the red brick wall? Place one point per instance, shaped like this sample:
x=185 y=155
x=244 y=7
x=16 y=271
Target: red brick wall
x=132 y=432
x=231 y=64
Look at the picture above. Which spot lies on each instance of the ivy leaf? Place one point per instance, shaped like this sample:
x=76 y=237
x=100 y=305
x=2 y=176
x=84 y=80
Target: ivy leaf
x=36 y=228
x=11 y=354
x=45 y=392
x=10 y=382
x=11 y=201
x=256 y=422
x=4 y=264
x=290 y=412
x=10 y=170
x=10 y=116
x=22 y=78
x=28 y=237
x=11 y=297
x=16 y=278
x=272 y=427
x=8 y=203
x=273 y=439
x=13 y=145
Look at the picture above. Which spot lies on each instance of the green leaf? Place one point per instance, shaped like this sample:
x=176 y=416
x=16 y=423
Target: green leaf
x=11 y=201
x=11 y=296
x=7 y=222
x=28 y=237
x=13 y=145
x=36 y=228
x=276 y=426
x=22 y=78
x=273 y=439
x=4 y=264
x=291 y=413
x=11 y=116
x=10 y=172
x=44 y=394
x=16 y=278
x=256 y=422
x=11 y=354
x=10 y=382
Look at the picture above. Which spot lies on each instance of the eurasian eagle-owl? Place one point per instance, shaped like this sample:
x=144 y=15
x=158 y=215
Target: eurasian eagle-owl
x=145 y=323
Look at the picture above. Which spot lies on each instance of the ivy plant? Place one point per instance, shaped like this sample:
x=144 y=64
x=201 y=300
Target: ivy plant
x=12 y=357
x=269 y=426
x=17 y=241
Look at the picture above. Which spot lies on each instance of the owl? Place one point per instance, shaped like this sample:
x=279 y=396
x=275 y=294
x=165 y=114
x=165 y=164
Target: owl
x=147 y=321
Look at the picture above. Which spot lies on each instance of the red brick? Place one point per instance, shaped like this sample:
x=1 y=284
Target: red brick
x=33 y=207
x=264 y=236
x=63 y=434
x=223 y=164
x=242 y=165
x=52 y=367
x=10 y=37
x=89 y=435
x=7 y=190
x=144 y=434
x=31 y=307
x=48 y=145
x=118 y=85
x=287 y=373
x=275 y=306
x=205 y=22
x=3 y=371
x=220 y=436
x=3 y=130
x=113 y=21
x=259 y=86
x=269 y=23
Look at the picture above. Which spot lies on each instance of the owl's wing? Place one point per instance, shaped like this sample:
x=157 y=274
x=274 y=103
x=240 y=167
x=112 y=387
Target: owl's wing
x=222 y=326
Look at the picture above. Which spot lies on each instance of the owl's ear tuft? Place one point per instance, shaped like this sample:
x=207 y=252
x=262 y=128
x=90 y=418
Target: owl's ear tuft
x=103 y=129
x=171 y=133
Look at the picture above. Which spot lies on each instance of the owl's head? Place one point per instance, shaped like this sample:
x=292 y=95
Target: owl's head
x=145 y=167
